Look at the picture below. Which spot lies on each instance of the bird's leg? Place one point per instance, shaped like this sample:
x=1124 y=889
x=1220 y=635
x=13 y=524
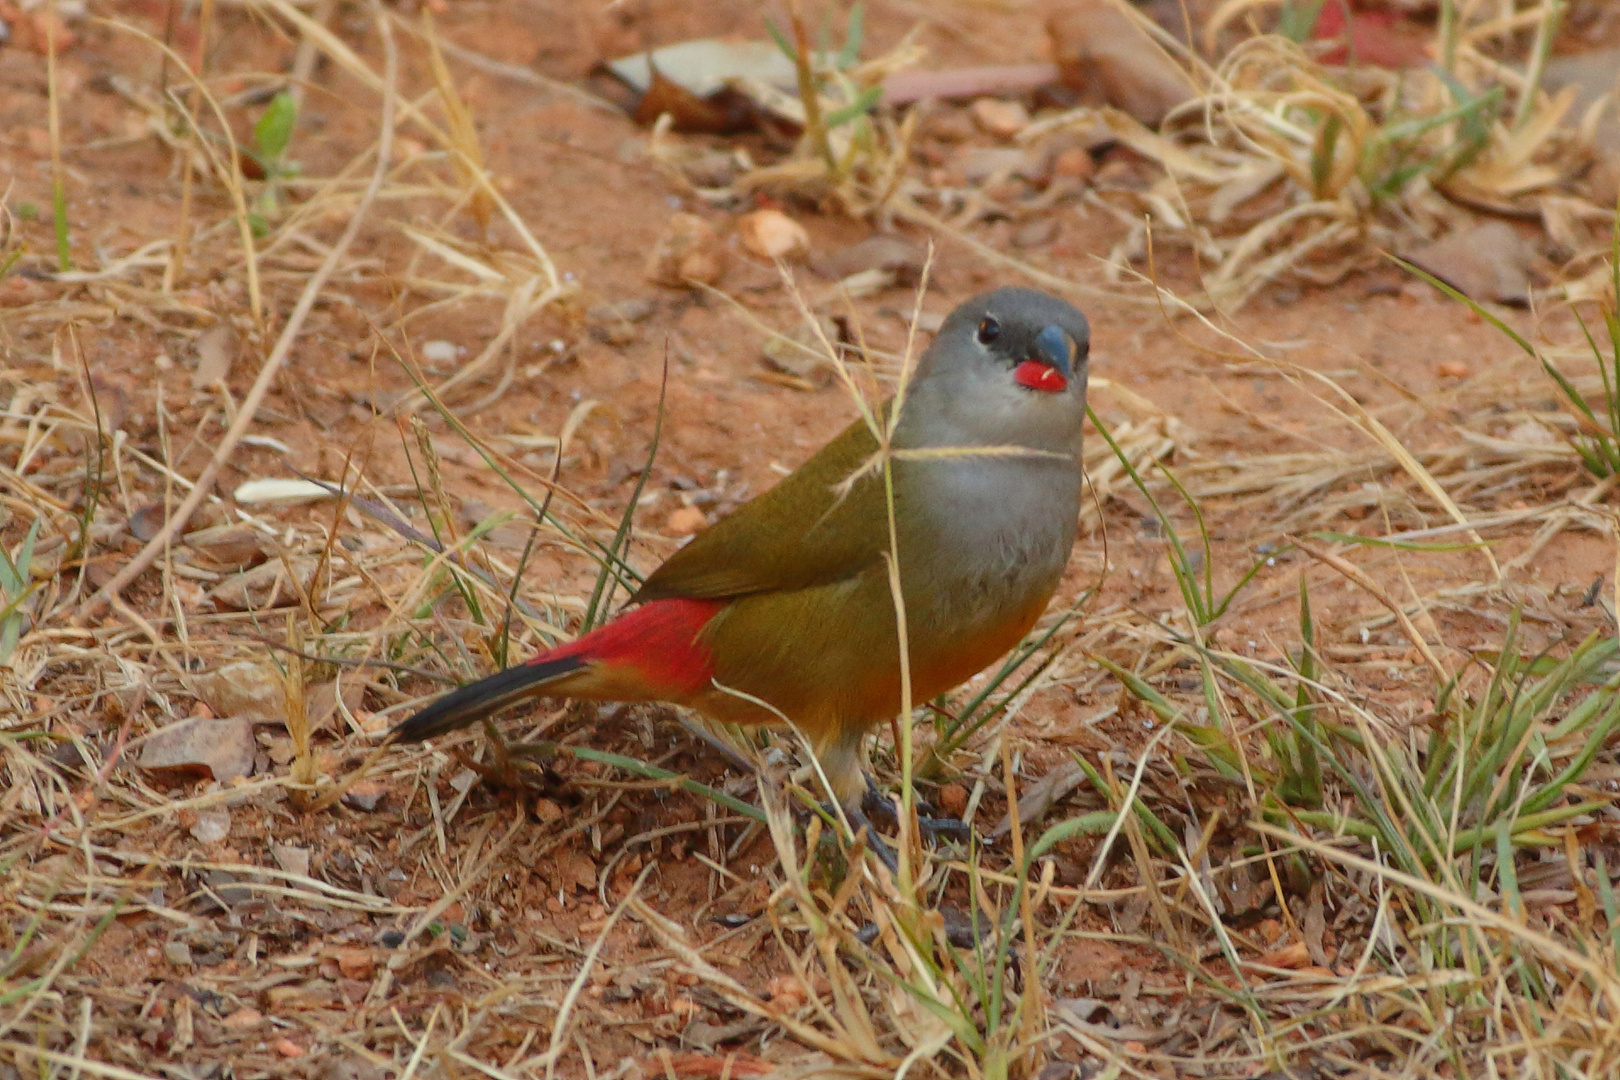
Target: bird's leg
x=840 y=758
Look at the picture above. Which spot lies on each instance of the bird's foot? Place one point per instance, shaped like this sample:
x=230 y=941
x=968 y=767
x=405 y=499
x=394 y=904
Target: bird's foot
x=934 y=826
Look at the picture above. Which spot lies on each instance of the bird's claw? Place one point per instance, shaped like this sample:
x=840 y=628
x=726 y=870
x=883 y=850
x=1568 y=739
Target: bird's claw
x=934 y=826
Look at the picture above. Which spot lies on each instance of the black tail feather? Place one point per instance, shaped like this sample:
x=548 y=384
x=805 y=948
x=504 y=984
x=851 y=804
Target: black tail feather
x=485 y=697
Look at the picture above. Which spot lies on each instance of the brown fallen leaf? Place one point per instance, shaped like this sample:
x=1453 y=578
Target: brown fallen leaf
x=1489 y=263
x=725 y=112
x=264 y=586
x=228 y=547
x=220 y=749
x=216 y=352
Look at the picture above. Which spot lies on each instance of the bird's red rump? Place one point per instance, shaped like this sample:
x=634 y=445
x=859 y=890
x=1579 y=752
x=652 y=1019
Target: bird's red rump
x=657 y=643
x=1038 y=376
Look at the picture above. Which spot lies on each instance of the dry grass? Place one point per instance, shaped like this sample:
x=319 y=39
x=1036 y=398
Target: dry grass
x=1285 y=868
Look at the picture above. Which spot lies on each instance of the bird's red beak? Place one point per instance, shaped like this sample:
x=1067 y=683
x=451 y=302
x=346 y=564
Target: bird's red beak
x=1037 y=375
x=1048 y=370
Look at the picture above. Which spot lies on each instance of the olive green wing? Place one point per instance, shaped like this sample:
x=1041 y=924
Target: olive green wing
x=806 y=531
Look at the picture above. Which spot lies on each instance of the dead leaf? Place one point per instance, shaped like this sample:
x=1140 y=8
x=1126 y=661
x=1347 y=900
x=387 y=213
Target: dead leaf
x=800 y=351
x=220 y=749
x=1489 y=263
x=294 y=860
x=1041 y=796
x=725 y=113
x=228 y=547
x=707 y=65
x=281 y=490
x=262 y=587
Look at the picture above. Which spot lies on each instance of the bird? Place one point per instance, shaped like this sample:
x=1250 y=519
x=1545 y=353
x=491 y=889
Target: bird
x=784 y=609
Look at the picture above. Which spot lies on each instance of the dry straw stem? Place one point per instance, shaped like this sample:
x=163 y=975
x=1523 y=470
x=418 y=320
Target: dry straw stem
x=249 y=408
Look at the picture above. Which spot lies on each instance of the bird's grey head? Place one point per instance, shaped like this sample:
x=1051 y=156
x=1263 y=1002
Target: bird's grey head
x=1008 y=367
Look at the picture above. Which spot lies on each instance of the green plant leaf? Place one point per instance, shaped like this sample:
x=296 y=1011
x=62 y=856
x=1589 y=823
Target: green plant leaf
x=273 y=132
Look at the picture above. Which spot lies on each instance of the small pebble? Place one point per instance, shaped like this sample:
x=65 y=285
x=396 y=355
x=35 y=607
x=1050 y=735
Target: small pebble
x=439 y=352
x=1003 y=119
x=1454 y=369
x=177 y=953
x=1075 y=163
x=1034 y=233
x=242 y=1019
x=685 y=521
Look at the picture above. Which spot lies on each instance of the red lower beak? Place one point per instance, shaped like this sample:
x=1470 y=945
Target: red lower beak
x=1034 y=375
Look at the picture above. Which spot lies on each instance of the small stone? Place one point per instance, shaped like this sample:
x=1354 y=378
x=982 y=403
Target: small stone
x=177 y=953
x=1452 y=369
x=1034 y=233
x=1488 y=262
x=1532 y=433
x=981 y=164
x=771 y=234
x=216 y=352
x=366 y=796
x=689 y=253
x=713 y=170
x=243 y=1019
x=953 y=800
x=287 y=1048
x=635 y=310
x=438 y=353
x=685 y=521
x=1003 y=119
x=891 y=254
x=212 y=826
x=355 y=962
x=1103 y=55
x=1074 y=163
x=546 y=810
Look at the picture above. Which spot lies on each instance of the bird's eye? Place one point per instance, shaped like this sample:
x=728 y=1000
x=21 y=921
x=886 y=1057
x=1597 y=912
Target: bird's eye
x=989 y=330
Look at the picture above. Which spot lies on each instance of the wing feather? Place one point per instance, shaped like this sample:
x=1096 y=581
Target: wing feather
x=802 y=533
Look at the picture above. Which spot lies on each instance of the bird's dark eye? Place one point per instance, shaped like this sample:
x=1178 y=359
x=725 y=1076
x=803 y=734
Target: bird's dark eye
x=989 y=330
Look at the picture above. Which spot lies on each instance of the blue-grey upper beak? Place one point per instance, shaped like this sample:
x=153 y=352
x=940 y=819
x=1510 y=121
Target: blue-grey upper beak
x=1056 y=348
